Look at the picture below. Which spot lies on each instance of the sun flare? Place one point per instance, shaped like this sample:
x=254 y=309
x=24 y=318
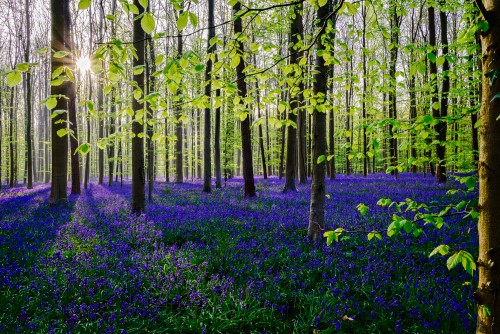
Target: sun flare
x=83 y=64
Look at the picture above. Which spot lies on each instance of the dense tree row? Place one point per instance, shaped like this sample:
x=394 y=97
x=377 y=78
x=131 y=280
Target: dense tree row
x=292 y=89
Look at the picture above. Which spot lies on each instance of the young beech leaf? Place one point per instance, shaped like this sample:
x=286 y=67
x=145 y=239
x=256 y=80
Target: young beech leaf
x=62 y=132
x=84 y=4
x=14 y=78
x=441 y=249
x=182 y=21
x=148 y=23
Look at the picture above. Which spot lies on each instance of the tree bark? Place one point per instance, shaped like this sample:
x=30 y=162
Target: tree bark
x=246 y=138
x=442 y=126
x=138 y=177
x=179 y=170
x=207 y=148
x=296 y=29
x=317 y=202
x=60 y=41
x=393 y=143
x=28 y=103
x=489 y=178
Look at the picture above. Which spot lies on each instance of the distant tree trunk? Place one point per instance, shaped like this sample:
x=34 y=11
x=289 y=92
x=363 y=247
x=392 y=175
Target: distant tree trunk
x=28 y=103
x=393 y=143
x=261 y=135
x=489 y=178
x=1 y=134
x=73 y=139
x=100 y=103
x=246 y=138
x=207 y=148
x=433 y=71
x=348 y=128
x=217 y=157
x=138 y=177
x=12 y=141
x=317 y=202
x=150 y=87
x=282 y=142
x=302 y=146
x=363 y=107
x=179 y=171
x=443 y=124
x=296 y=28
x=474 y=113
x=60 y=41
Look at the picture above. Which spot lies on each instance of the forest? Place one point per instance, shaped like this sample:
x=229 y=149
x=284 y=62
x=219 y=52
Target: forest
x=270 y=166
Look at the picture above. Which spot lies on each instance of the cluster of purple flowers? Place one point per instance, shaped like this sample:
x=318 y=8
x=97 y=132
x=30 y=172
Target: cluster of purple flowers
x=217 y=262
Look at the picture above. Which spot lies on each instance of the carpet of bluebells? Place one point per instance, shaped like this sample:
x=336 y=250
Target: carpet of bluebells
x=219 y=263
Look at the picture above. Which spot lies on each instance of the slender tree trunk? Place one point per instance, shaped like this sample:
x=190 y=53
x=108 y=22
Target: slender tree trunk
x=179 y=170
x=317 y=202
x=261 y=135
x=28 y=103
x=60 y=41
x=150 y=87
x=486 y=295
x=443 y=124
x=393 y=144
x=138 y=177
x=246 y=138
x=207 y=148
x=73 y=139
x=217 y=157
x=296 y=28
x=363 y=103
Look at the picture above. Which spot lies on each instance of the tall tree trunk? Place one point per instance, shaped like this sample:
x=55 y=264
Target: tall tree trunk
x=442 y=126
x=60 y=41
x=12 y=140
x=261 y=135
x=474 y=114
x=207 y=148
x=138 y=177
x=363 y=103
x=317 y=202
x=217 y=157
x=28 y=103
x=150 y=87
x=100 y=103
x=393 y=144
x=73 y=139
x=486 y=295
x=246 y=138
x=433 y=72
x=296 y=28
x=179 y=170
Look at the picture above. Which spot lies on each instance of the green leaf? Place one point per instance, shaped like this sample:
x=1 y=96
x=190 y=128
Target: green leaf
x=199 y=68
x=148 y=23
x=143 y=3
x=23 y=67
x=182 y=21
x=83 y=149
x=471 y=182
x=321 y=158
x=408 y=226
x=453 y=260
x=321 y=3
x=330 y=237
x=84 y=4
x=193 y=19
x=363 y=209
x=14 y=78
x=51 y=103
x=431 y=56
x=440 y=60
x=61 y=54
x=441 y=249
x=62 y=132
x=235 y=61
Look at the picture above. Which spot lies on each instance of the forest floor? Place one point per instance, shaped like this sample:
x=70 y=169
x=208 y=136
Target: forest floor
x=219 y=263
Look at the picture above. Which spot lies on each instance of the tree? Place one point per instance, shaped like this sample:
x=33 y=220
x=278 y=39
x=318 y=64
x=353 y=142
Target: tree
x=489 y=178
x=320 y=88
x=395 y=22
x=207 y=148
x=61 y=45
x=246 y=139
x=441 y=127
x=296 y=29
x=138 y=177
x=28 y=102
